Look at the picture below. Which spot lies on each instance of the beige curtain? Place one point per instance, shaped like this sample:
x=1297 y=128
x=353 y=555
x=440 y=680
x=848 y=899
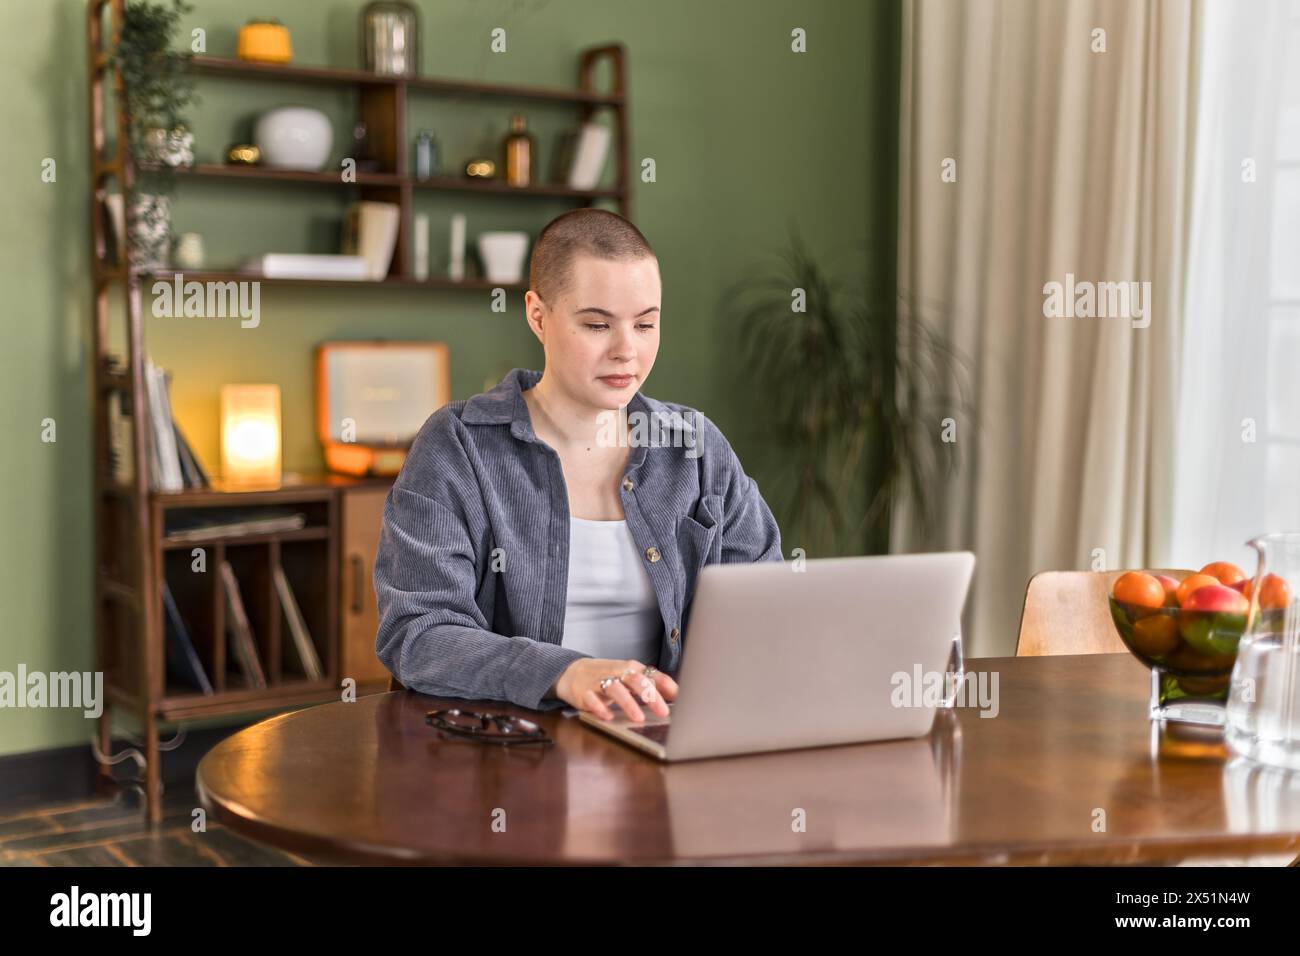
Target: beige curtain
x=1071 y=149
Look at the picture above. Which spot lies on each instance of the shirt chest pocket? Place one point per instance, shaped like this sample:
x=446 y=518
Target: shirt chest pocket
x=699 y=541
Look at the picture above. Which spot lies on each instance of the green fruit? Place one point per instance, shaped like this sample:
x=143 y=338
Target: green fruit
x=1213 y=634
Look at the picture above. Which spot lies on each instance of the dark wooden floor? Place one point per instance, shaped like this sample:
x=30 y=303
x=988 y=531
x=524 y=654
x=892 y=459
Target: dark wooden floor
x=112 y=832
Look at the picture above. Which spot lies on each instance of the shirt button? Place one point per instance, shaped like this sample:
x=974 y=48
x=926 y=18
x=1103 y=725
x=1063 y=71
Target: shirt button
x=652 y=554
x=627 y=484
x=672 y=635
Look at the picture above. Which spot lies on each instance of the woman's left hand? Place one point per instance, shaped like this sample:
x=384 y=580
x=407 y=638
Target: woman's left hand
x=579 y=685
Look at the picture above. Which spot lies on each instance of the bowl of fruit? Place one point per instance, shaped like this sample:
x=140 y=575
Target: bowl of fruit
x=1187 y=630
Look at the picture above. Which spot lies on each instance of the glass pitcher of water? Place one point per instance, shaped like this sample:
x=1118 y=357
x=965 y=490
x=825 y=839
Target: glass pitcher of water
x=1263 y=711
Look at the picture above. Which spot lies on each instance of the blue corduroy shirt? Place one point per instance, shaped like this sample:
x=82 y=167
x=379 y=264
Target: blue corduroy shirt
x=473 y=564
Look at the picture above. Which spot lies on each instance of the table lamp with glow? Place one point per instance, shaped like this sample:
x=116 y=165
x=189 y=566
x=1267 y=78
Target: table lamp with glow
x=250 y=434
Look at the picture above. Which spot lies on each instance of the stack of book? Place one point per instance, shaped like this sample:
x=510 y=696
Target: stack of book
x=206 y=524
x=580 y=154
x=173 y=466
x=307 y=265
x=370 y=231
x=369 y=242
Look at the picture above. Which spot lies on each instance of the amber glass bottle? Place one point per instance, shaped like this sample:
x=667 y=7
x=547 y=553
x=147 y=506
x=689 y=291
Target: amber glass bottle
x=519 y=148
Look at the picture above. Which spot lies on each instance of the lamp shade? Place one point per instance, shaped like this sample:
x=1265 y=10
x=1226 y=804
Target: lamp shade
x=250 y=433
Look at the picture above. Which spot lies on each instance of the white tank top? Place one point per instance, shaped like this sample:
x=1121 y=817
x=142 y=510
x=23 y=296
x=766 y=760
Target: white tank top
x=611 y=611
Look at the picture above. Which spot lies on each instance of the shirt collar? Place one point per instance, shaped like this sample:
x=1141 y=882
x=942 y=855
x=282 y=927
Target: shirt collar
x=504 y=404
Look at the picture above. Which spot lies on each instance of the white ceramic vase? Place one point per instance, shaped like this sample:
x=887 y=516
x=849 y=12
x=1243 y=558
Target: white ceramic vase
x=503 y=255
x=294 y=137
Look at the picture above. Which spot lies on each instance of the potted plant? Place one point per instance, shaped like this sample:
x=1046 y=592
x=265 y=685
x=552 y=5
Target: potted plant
x=157 y=87
x=855 y=392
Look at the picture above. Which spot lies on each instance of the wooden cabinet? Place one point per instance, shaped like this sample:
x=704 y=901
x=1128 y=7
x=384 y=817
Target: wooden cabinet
x=363 y=516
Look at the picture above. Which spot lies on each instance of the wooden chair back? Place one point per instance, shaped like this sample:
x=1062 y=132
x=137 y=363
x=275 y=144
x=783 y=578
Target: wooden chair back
x=1067 y=612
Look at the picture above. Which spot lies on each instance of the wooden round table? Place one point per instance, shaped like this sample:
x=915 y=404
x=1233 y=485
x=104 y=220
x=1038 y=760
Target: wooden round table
x=1070 y=745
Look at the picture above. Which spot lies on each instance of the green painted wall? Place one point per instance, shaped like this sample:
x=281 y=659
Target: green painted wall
x=747 y=136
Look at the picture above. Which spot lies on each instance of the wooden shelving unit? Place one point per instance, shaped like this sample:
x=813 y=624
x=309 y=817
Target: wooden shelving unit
x=584 y=95
x=442 y=183
x=134 y=554
x=393 y=281
x=381 y=102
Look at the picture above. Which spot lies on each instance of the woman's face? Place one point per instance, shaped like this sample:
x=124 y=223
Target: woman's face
x=603 y=326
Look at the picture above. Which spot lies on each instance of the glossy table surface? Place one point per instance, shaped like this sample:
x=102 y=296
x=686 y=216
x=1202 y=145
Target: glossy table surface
x=1069 y=770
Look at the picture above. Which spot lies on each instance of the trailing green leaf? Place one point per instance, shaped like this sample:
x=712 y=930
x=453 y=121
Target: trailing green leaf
x=157 y=88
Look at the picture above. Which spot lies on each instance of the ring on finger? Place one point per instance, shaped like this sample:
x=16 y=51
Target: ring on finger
x=605 y=684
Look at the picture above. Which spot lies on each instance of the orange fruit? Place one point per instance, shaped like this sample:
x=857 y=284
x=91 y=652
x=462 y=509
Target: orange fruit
x=1185 y=657
x=1203 y=686
x=1193 y=582
x=1139 y=589
x=1273 y=593
x=1155 y=636
x=1225 y=571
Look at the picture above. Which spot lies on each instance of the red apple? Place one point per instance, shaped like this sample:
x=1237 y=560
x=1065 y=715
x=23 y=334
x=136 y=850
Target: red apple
x=1171 y=589
x=1192 y=583
x=1218 y=598
x=1241 y=585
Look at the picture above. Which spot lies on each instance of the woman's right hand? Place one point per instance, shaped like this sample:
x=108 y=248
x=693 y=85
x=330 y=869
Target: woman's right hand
x=579 y=686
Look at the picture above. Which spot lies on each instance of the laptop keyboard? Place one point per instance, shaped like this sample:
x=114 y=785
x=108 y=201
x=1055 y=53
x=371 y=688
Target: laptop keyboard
x=656 y=732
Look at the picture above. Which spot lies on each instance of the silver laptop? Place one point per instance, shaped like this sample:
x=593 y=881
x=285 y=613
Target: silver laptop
x=780 y=659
